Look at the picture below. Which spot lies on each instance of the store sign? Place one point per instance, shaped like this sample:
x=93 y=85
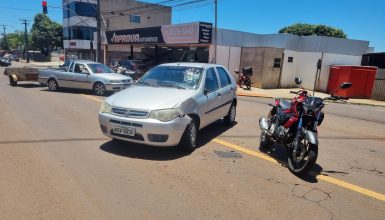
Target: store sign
x=72 y=44
x=190 y=33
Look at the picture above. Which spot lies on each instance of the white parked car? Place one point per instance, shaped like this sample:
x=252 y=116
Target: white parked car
x=169 y=104
x=82 y=74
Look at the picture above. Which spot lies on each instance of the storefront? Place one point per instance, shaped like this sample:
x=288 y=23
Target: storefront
x=161 y=44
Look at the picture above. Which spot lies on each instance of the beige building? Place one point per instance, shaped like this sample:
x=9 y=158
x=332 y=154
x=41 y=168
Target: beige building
x=79 y=24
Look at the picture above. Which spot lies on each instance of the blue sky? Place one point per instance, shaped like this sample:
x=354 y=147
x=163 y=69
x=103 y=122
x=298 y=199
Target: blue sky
x=361 y=20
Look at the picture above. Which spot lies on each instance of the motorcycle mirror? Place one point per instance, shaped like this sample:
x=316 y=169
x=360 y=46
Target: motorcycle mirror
x=298 y=81
x=345 y=85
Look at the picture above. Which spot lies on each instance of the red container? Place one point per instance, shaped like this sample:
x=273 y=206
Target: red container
x=362 y=78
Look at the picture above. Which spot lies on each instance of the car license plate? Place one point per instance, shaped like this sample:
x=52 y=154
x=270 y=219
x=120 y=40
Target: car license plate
x=130 y=131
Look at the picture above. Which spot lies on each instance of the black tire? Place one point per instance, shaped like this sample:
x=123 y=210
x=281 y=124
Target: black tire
x=248 y=84
x=99 y=89
x=303 y=168
x=189 y=138
x=52 y=85
x=264 y=141
x=12 y=82
x=229 y=119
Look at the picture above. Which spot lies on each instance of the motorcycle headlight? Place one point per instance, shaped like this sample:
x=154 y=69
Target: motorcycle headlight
x=105 y=108
x=165 y=114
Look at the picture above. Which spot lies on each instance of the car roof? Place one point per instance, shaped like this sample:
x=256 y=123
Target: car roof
x=191 y=64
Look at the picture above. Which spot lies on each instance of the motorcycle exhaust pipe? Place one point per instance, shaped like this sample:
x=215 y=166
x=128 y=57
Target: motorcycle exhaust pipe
x=263 y=124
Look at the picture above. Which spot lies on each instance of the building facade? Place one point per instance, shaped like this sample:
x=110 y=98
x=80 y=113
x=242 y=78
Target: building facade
x=80 y=26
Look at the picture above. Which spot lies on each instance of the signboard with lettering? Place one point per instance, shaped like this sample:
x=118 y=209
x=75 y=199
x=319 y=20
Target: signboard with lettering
x=189 y=33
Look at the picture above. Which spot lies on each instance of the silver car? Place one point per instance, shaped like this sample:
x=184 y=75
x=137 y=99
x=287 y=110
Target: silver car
x=169 y=104
x=81 y=74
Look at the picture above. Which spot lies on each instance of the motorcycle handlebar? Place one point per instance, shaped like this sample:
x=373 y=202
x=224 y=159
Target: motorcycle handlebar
x=293 y=92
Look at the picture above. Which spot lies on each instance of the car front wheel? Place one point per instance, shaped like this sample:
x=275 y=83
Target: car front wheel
x=189 y=138
x=99 y=89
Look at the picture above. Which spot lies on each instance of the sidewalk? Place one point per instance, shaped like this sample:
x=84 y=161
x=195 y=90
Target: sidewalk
x=40 y=64
x=285 y=93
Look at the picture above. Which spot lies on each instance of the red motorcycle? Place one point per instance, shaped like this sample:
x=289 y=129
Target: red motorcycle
x=294 y=124
x=244 y=77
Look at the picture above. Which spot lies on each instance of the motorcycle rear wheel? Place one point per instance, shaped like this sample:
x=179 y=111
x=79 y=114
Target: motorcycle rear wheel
x=302 y=166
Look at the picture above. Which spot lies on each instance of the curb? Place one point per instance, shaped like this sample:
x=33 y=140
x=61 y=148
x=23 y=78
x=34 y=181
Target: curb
x=258 y=95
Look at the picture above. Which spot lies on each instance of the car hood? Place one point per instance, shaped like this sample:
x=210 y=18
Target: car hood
x=149 y=98
x=112 y=76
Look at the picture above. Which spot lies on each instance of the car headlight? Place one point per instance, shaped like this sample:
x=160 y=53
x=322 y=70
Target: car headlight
x=115 y=81
x=105 y=108
x=165 y=114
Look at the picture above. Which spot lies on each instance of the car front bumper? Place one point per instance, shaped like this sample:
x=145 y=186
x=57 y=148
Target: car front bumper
x=147 y=131
x=114 y=87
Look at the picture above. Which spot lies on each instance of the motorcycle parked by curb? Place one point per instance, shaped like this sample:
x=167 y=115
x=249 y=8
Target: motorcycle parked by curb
x=244 y=77
x=294 y=125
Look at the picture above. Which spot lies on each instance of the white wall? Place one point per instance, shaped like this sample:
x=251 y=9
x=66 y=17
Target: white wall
x=304 y=66
x=229 y=57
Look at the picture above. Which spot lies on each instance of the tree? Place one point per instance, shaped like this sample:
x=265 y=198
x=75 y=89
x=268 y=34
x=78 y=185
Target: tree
x=16 y=40
x=46 y=34
x=311 y=29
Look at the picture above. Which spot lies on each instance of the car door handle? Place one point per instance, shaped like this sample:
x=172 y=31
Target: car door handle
x=219 y=94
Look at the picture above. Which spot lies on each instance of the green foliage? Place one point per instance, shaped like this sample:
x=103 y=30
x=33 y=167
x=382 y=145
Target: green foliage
x=16 y=40
x=4 y=45
x=46 y=34
x=311 y=29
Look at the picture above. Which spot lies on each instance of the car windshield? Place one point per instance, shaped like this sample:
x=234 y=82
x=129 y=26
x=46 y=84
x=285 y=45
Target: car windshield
x=181 y=77
x=99 y=68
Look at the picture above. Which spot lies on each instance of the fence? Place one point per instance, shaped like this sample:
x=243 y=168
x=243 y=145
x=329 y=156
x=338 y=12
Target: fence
x=379 y=86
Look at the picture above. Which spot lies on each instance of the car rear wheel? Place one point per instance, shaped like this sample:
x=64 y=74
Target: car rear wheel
x=52 y=85
x=99 y=89
x=229 y=119
x=189 y=138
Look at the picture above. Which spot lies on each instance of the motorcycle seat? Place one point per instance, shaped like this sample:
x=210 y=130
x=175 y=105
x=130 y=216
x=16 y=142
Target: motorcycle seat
x=284 y=104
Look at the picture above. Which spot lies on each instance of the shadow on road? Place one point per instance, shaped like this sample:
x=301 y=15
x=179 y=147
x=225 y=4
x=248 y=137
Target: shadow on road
x=74 y=91
x=279 y=153
x=139 y=151
x=28 y=85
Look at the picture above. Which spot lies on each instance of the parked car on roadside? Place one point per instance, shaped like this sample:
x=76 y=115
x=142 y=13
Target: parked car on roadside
x=169 y=104
x=82 y=74
x=14 y=57
x=5 y=62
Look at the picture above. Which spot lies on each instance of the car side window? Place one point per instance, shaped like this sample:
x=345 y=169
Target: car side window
x=211 y=81
x=80 y=68
x=223 y=77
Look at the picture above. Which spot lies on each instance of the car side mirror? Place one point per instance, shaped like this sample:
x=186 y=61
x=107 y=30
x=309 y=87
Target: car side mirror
x=345 y=85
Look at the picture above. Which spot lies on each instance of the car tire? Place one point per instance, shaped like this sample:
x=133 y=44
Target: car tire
x=229 y=119
x=12 y=82
x=99 y=89
x=52 y=85
x=189 y=138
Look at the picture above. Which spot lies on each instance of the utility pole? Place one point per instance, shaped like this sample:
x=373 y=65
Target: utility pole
x=98 y=29
x=215 y=31
x=5 y=37
x=26 y=38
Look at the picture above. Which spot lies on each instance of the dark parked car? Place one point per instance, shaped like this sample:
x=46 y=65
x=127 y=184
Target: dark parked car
x=4 y=62
x=14 y=57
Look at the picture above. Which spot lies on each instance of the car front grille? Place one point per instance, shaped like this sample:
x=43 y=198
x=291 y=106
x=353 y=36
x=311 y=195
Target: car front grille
x=129 y=113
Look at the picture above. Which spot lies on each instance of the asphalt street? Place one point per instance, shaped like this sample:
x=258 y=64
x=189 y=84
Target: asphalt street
x=56 y=164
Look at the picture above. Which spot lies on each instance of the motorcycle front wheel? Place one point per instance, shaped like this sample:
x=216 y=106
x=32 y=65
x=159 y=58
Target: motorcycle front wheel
x=248 y=84
x=301 y=162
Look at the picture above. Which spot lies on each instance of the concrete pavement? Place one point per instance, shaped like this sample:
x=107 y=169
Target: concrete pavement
x=285 y=93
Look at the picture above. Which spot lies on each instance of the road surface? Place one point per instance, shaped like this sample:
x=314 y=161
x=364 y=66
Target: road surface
x=56 y=164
